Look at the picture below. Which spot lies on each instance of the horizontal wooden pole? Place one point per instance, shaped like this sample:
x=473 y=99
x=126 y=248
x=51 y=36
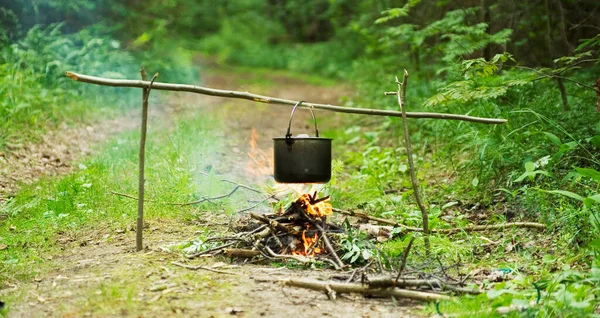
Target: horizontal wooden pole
x=273 y=100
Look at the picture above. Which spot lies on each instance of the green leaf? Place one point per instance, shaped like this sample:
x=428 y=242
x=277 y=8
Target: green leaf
x=529 y=166
x=141 y=40
x=591 y=173
x=569 y=194
x=589 y=42
x=495 y=293
x=573 y=175
x=553 y=138
x=366 y=254
x=475 y=182
x=531 y=175
x=517 y=82
x=595 y=141
x=595 y=197
x=449 y=204
x=589 y=201
x=391 y=14
x=580 y=304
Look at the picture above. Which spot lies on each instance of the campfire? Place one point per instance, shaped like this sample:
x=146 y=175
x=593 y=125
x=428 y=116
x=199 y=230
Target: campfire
x=302 y=216
x=300 y=231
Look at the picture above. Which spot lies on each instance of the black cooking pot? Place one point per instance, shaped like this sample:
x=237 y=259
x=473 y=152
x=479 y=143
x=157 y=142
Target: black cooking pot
x=302 y=159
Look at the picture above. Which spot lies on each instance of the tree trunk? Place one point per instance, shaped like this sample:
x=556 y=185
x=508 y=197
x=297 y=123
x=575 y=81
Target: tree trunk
x=563 y=29
x=486 y=18
x=548 y=38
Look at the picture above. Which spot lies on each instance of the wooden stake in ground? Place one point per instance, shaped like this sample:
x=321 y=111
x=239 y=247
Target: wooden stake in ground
x=141 y=161
x=401 y=94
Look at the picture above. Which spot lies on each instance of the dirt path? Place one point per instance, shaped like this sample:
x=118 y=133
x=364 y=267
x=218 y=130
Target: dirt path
x=100 y=276
x=55 y=154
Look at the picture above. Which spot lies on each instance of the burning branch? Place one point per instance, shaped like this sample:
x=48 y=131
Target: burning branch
x=273 y=100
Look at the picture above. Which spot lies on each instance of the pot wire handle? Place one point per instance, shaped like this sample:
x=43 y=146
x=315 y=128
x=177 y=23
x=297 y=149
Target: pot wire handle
x=289 y=134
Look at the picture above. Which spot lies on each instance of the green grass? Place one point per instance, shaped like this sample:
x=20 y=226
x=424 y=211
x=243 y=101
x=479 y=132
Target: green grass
x=55 y=208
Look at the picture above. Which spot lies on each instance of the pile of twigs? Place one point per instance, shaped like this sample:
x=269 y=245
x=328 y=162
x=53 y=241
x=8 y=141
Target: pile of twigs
x=299 y=233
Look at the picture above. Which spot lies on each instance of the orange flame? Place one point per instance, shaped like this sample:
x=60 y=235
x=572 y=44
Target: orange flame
x=319 y=209
x=308 y=243
x=261 y=163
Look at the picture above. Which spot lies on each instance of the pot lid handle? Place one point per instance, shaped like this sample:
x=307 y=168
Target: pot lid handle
x=289 y=134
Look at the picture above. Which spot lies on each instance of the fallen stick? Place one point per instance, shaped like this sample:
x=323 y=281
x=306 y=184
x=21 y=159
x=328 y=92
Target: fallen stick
x=353 y=288
x=299 y=258
x=239 y=252
x=272 y=100
x=197 y=267
x=214 y=249
x=473 y=228
x=385 y=282
x=266 y=231
x=480 y=228
x=368 y=217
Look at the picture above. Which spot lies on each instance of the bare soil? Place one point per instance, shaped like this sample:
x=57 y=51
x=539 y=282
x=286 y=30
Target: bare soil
x=100 y=275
